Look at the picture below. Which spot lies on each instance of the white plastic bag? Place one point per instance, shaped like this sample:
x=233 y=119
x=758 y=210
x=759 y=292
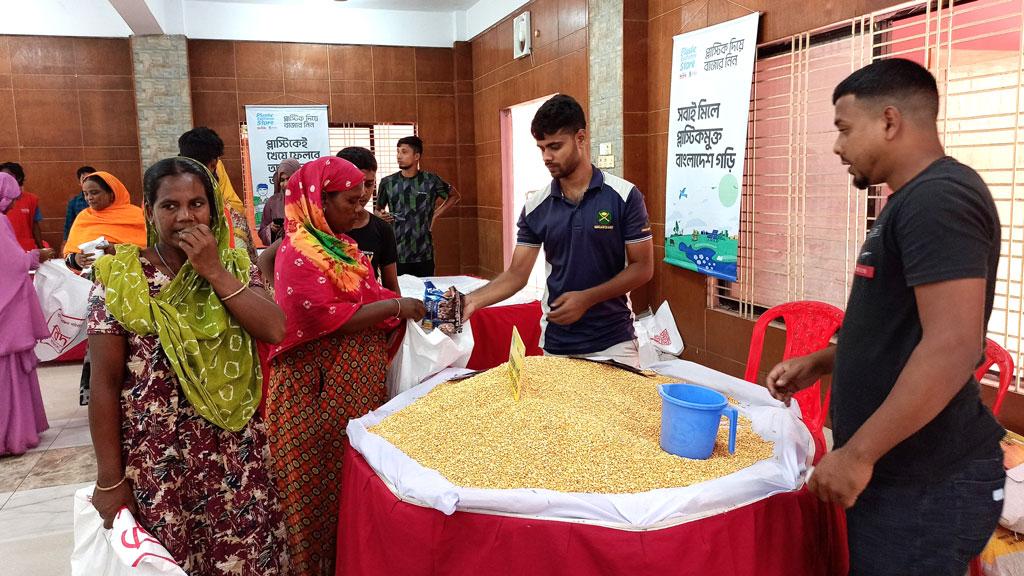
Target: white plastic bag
x=64 y=298
x=659 y=335
x=1012 y=516
x=648 y=353
x=424 y=354
x=126 y=550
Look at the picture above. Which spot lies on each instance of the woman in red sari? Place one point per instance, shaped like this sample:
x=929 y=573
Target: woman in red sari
x=332 y=363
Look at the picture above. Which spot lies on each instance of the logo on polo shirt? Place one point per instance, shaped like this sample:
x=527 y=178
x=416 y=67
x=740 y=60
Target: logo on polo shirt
x=604 y=220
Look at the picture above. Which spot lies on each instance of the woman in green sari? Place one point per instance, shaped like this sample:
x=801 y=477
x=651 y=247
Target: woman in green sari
x=175 y=383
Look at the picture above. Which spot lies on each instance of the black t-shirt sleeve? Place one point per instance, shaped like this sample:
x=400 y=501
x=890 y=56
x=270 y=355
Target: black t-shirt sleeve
x=944 y=232
x=388 y=245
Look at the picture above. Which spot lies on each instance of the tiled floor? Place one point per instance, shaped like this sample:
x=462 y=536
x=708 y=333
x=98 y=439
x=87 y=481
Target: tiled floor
x=37 y=489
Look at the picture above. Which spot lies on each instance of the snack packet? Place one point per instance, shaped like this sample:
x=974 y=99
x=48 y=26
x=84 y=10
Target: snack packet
x=444 y=309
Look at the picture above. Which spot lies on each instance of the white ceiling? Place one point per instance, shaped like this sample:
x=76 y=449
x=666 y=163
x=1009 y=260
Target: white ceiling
x=385 y=22
x=426 y=23
x=417 y=5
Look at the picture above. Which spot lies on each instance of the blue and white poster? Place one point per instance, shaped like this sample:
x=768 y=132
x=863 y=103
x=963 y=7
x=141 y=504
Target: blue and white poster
x=712 y=71
x=277 y=133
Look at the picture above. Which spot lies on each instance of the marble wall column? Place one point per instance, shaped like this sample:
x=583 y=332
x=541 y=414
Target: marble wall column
x=605 y=116
x=162 y=94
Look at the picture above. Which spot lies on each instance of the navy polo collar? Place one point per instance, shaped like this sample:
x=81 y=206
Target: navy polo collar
x=596 y=181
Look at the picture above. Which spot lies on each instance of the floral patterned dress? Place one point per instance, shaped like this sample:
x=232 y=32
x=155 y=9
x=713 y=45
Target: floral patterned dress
x=315 y=388
x=204 y=492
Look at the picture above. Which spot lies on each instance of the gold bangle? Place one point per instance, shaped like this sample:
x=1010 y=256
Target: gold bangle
x=233 y=294
x=399 y=313
x=114 y=487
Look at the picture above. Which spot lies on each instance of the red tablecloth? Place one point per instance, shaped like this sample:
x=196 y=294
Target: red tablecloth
x=492 y=333
x=787 y=534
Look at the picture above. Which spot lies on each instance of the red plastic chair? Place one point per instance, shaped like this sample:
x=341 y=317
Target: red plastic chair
x=809 y=327
x=996 y=355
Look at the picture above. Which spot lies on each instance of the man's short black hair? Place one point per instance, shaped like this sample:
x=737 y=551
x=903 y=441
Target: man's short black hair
x=413 y=142
x=561 y=112
x=84 y=170
x=361 y=157
x=16 y=170
x=202 y=144
x=896 y=79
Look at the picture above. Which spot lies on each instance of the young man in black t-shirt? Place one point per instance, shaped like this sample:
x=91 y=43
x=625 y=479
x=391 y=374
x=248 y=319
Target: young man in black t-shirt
x=917 y=459
x=375 y=237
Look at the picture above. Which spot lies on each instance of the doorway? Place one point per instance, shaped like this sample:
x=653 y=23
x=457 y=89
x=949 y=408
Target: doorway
x=523 y=175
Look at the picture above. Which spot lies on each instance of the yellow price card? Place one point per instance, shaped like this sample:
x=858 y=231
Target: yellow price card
x=516 y=354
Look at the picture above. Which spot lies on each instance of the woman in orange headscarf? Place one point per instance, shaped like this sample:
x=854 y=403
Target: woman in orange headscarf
x=110 y=214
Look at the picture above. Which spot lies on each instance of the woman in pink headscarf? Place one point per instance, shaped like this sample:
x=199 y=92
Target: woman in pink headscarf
x=22 y=417
x=331 y=365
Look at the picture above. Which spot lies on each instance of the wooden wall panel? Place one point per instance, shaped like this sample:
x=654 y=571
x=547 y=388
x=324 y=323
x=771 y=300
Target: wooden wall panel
x=559 y=63
x=67 y=102
x=360 y=84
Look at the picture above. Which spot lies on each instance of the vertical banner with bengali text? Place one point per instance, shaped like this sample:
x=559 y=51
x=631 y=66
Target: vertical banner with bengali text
x=277 y=133
x=712 y=71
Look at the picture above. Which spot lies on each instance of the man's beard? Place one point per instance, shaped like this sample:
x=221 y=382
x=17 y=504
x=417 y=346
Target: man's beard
x=566 y=168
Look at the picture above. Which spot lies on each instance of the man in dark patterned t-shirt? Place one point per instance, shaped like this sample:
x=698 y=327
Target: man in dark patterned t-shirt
x=411 y=197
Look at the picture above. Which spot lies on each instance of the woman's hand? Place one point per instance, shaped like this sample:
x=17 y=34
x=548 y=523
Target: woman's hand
x=45 y=254
x=84 y=260
x=109 y=503
x=200 y=247
x=411 y=309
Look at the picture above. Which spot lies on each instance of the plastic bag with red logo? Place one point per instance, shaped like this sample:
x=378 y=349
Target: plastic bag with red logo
x=658 y=337
x=64 y=298
x=125 y=550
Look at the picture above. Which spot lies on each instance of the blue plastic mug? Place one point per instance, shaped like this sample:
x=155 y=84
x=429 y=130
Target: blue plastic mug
x=690 y=417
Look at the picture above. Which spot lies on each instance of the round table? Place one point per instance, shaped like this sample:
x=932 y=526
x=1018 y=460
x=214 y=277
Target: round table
x=767 y=532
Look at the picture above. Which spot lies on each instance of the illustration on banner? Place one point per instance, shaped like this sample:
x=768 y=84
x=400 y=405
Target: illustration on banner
x=707 y=247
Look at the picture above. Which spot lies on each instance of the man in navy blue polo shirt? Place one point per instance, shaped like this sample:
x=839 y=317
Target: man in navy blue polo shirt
x=596 y=238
